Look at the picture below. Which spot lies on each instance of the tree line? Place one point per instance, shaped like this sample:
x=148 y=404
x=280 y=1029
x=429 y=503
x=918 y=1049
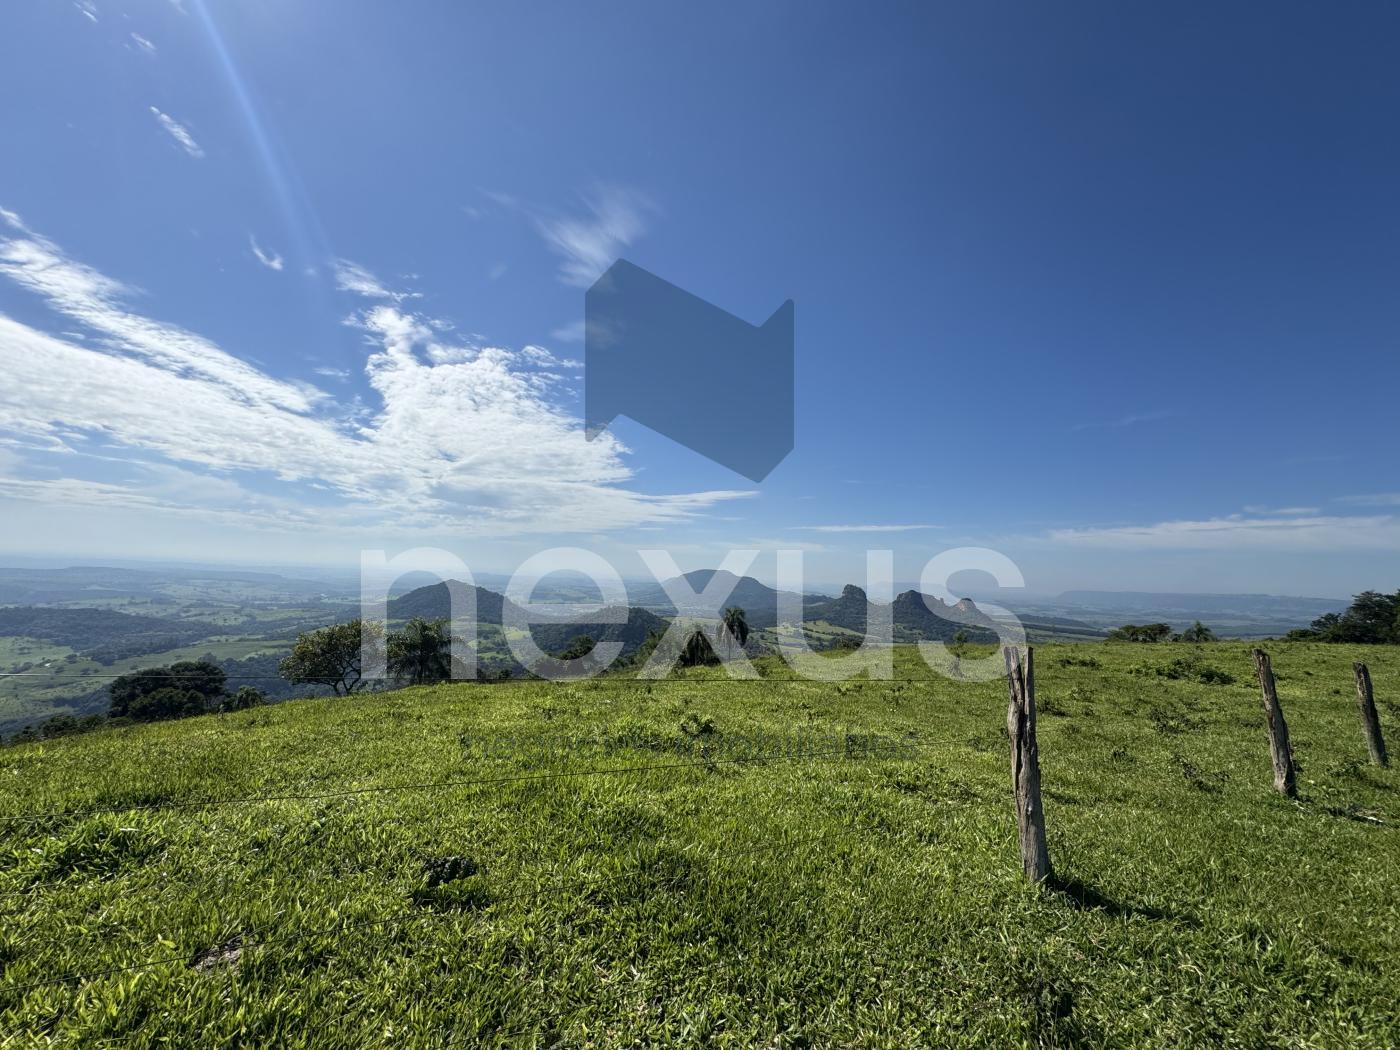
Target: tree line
x=1372 y=618
x=420 y=653
x=1160 y=632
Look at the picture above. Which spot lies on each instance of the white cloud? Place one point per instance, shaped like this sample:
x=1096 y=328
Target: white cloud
x=179 y=133
x=1237 y=532
x=354 y=278
x=87 y=8
x=1374 y=499
x=1124 y=421
x=333 y=373
x=569 y=333
x=461 y=439
x=144 y=44
x=95 y=301
x=591 y=243
x=865 y=528
x=271 y=260
x=1283 y=511
x=539 y=356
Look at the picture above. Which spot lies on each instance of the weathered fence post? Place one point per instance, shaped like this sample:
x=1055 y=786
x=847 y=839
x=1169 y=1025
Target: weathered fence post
x=1025 y=764
x=1370 y=723
x=1285 y=781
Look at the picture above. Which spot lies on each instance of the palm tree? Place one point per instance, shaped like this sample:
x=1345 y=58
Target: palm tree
x=1198 y=632
x=697 y=651
x=737 y=624
x=420 y=652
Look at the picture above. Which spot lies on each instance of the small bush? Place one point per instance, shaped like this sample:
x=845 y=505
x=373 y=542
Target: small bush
x=1186 y=668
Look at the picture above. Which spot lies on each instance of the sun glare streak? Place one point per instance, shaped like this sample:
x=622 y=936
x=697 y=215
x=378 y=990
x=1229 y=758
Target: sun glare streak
x=309 y=242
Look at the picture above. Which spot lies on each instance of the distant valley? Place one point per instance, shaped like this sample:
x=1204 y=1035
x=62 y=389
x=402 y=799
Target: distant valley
x=65 y=633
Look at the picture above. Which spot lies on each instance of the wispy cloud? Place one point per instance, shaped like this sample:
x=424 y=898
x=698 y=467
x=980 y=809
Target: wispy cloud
x=144 y=44
x=590 y=243
x=353 y=278
x=1373 y=499
x=271 y=260
x=454 y=439
x=1254 y=508
x=865 y=528
x=1238 y=532
x=95 y=301
x=87 y=8
x=332 y=373
x=538 y=355
x=569 y=333
x=1130 y=420
x=179 y=133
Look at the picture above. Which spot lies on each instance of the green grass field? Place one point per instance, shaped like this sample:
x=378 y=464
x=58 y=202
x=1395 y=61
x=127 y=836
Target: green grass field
x=613 y=863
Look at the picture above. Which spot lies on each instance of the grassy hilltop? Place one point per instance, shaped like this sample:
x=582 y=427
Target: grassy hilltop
x=428 y=868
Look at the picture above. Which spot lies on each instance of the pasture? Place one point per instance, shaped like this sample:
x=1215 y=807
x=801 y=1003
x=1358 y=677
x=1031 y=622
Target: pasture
x=699 y=861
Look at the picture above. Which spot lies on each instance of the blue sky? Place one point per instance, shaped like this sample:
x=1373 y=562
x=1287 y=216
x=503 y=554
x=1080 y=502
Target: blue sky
x=1109 y=288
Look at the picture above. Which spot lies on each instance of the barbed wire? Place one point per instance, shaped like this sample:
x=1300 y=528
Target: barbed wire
x=513 y=680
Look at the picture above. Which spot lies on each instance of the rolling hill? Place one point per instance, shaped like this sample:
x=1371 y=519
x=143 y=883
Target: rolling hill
x=434 y=602
x=703 y=862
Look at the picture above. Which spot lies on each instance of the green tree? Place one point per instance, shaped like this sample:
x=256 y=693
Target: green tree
x=421 y=652
x=333 y=656
x=59 y=725
x=736 y=622
x=1132 y=632
x=187 y=688
x=697 y=651
x=245 y=698
x=580 y=648
x=1198 y=632
x=577 y=648
x=162 y=704
x=1371 y=619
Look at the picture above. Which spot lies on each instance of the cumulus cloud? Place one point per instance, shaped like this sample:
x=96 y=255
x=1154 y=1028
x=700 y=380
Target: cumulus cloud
x=179 y=133
x=457 y=438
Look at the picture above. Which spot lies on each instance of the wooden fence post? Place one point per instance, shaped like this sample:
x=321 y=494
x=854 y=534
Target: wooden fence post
x=1285 y=780
x=1025 y=764
x=1370 y=723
